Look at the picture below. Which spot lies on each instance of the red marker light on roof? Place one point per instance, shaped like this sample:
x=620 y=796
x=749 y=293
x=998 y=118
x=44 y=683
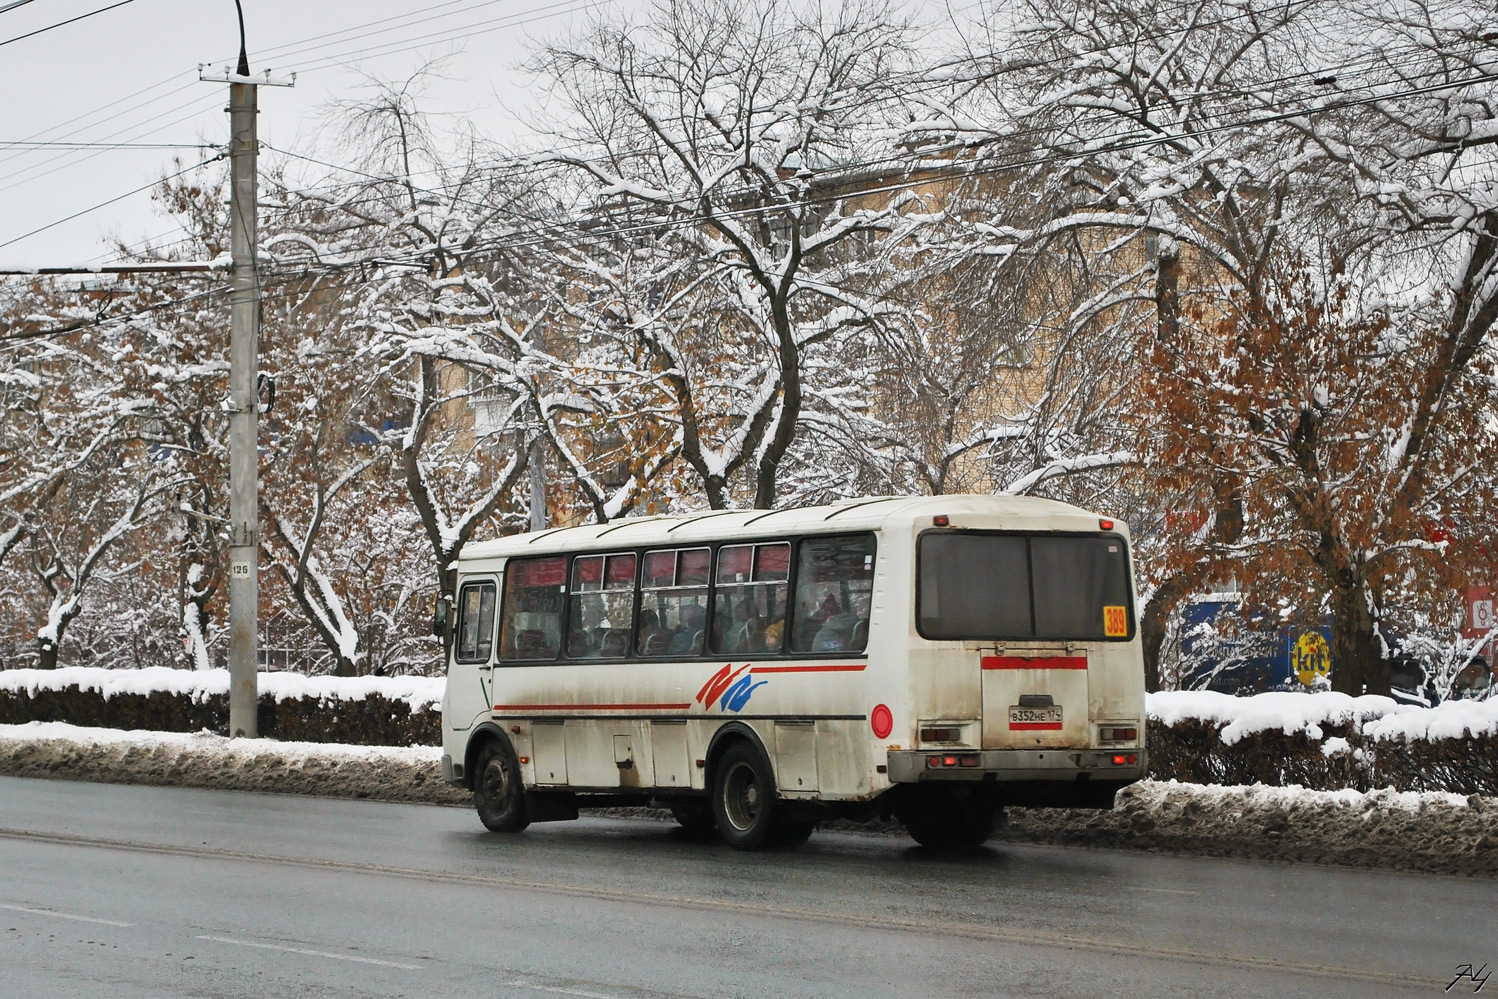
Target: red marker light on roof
x=1106 y=525
x=941 y=520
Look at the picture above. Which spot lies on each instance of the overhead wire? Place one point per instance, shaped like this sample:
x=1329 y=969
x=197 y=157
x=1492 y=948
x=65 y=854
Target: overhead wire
x=1116 y=142
x=101 y=109
x=61 y=24
x=508 y=242
x=1156 y=140
x=104 y=204
x=581 y=224
x=52 y=333
x=27 y=174
x=23 y=144
x=406 y=21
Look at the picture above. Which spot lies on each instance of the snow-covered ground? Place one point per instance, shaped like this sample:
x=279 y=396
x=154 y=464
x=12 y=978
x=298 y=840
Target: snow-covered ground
x=390 y=773
x=1442 y=833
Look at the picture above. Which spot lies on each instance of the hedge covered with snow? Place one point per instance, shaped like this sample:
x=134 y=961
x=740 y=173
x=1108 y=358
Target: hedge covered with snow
x=1325 y=740
x=361 y=711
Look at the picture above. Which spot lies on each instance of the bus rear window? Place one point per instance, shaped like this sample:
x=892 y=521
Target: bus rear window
x=1013 y=586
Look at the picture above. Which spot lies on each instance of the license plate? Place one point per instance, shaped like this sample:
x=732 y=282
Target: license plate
x=1035 y=719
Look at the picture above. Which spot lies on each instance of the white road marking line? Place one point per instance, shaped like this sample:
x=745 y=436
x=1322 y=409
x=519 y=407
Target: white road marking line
x=1163 y=891
x=312 y=953
x=521 y=984
x=64 y=915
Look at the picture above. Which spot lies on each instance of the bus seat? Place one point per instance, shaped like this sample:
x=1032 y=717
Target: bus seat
x=859 y=637
x=615 y=644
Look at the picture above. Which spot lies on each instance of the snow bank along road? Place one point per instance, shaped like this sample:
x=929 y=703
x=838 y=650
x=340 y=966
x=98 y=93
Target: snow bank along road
x=128 y=892
x=1437 y=833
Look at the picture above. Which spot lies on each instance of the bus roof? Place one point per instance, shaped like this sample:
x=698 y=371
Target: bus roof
x=864 y=514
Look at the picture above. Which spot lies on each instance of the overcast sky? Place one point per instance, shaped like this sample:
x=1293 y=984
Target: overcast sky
x=129 y=75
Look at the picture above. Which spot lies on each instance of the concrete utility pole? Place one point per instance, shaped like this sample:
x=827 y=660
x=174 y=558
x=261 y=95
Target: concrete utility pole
x=244 y=408
x=538 y=487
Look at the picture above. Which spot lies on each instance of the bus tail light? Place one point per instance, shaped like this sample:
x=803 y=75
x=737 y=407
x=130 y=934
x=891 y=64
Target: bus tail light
x=1106 y=525
x=937 y=762
x=939 y=735
x=1122 y=759
x=1118 y=734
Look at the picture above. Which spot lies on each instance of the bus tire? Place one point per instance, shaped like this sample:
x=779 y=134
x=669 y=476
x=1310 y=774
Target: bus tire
x=791 y=833
x=744 y=797
x=953 y=824
x=498 y=792
x=696 y=821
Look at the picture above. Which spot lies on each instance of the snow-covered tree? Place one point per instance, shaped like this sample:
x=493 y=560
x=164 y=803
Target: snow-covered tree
x=721 y=150
x=1221 y=141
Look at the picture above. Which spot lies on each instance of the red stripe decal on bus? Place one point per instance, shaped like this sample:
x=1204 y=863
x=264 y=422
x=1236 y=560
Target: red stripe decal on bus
x=841 y=668
x=1034 y=726
x=591 y=707
x=1034 y=662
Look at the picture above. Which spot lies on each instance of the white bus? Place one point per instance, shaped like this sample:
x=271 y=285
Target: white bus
x=754 y=671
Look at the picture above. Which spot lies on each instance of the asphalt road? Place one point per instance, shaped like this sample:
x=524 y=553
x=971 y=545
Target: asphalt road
x=125 y=891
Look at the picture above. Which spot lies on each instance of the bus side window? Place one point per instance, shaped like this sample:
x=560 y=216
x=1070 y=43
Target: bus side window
x=834 y=591
x=600 y=623
x=673 y=603
x=475 y=630
x=749 y=602
x=531 y=623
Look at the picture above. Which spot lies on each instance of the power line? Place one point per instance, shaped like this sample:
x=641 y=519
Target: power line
x=13 y=6
x=895 y=164
x=991 y=167
x=462 y=31
x=100 y=321
x=199 y=105
x=1118 y=142
x=102 y=204
x=60 y=24
x=24 y=144
x=105 y=107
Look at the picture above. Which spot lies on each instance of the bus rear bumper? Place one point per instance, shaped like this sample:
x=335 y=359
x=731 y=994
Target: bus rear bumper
x=1007 y=765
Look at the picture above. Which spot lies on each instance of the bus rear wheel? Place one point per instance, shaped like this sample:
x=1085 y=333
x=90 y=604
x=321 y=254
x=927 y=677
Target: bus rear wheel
x=744 y=802
x=952 y=823
x=498 y=792
x=696 y=821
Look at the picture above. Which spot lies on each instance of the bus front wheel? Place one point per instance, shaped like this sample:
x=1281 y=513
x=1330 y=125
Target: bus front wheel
x=498 y=793
x=744 y=802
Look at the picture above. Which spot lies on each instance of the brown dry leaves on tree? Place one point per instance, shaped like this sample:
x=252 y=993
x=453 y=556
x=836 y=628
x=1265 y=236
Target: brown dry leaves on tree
x=1309 y=462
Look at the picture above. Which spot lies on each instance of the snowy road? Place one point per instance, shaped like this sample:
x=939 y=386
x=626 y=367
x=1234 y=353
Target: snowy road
x=126 y=891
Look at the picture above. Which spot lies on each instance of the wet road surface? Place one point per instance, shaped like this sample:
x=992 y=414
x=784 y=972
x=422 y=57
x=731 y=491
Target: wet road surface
x=122 y=891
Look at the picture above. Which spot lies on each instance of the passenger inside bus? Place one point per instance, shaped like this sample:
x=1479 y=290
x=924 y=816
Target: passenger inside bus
x=653 y=638
x=834 y=585
x=745 y=632
x=687 y=638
